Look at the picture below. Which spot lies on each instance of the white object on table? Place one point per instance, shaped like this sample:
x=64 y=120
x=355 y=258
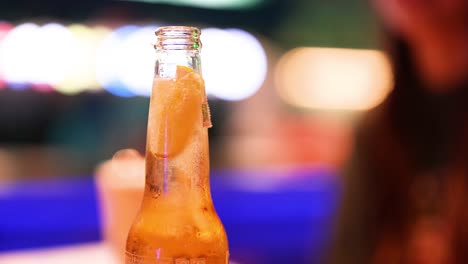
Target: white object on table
x=96 y=253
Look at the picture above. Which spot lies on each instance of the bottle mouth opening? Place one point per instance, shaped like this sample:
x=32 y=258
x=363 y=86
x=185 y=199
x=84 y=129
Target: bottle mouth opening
x=178 y=38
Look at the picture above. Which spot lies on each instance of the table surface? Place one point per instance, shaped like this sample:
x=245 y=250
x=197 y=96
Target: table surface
x=271 y=216
x=90 y=253
x=83 y=253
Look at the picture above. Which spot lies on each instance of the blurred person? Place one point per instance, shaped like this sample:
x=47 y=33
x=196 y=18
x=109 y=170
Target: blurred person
x=406 y=190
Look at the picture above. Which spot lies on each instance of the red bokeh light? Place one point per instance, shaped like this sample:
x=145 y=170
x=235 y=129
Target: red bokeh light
x=4 y=28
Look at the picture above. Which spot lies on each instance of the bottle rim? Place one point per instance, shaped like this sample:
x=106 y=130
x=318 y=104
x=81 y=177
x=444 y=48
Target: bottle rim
x=178 y=38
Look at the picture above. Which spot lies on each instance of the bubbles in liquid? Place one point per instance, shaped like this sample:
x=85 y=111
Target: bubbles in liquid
x=176 y=109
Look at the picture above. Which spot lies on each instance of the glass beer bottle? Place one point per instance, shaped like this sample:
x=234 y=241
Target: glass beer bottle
x=177 y=222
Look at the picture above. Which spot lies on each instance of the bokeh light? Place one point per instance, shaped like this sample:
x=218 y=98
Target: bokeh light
x=17 y=52
x=110 y=64
x=4 y=28
x=234 y=63
x=137 y=58
x=54 y=49
x=82 y=60
x=333 y=79
x=76 y=58
x=36 y=56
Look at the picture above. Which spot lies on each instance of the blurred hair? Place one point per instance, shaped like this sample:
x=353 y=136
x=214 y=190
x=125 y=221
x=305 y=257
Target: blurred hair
x=415 y=137
x=427 y=124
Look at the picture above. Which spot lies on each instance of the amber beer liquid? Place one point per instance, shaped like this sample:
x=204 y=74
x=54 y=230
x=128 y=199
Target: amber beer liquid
x=177 y=222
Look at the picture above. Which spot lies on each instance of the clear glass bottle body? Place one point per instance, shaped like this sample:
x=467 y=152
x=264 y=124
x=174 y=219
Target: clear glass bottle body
x=177 y=222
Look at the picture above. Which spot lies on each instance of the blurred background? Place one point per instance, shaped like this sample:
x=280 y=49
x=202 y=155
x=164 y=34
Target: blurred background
x=286 y=80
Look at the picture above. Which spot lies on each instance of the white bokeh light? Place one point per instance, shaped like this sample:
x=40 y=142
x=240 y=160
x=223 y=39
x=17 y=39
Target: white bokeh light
x=136 y=70
x=234 y=63
x=17 y=52
x=54 y=50
x=36 y=55
x=109 y=62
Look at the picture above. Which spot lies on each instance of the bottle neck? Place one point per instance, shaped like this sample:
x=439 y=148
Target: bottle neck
x=177 y=159
x=168 y=60
x=184 y=176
